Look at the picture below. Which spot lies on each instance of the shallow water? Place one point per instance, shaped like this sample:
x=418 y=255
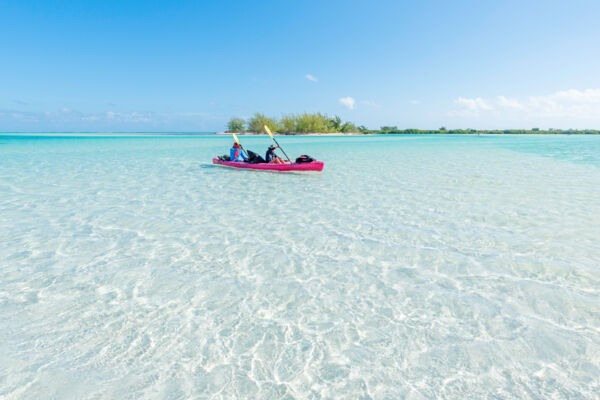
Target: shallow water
x=411 y=267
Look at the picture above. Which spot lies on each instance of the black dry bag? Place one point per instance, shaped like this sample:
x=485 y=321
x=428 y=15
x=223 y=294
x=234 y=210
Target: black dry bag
x=254 y=158
x=304 y=159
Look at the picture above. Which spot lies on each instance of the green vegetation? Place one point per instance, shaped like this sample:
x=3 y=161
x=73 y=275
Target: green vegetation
x=349 y=127
x=258 y=121
x=535 y=131
x=287 y=123
x=235 y=125
x=322 y=123
x=293 y=123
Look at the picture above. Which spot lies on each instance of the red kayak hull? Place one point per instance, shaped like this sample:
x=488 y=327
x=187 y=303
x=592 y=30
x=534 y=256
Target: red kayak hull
x=292 y=167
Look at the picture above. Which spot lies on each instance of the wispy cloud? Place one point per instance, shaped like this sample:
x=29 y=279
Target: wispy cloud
x=566 y=103
x=67 y=118
x=571 y=103
x=473 y=106
x=311 y=78
x=569 y=108
x=348 y=102
x=370 y=103
x=506 y=102
x=415 y=102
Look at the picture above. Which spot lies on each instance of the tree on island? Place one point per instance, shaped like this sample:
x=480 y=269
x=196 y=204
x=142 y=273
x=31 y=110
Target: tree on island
x=335 y=124
x=258 y=121
x=312 y=123
x=389 y=129
x=348 y=127
x=235 y=125
x=287 y=123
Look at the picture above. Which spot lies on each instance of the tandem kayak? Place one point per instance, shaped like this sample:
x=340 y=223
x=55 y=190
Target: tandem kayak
x=310 y=166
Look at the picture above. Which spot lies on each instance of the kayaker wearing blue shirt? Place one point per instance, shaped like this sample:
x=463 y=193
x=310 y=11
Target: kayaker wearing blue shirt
x=236 y=153
x=271 y=157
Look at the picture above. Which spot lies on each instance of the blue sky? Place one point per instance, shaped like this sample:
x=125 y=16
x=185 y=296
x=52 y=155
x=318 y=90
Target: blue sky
x=190 y=66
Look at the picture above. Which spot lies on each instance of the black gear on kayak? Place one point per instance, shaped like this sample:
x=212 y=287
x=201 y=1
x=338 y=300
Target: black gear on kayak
x=304 y=159
x=254 y=158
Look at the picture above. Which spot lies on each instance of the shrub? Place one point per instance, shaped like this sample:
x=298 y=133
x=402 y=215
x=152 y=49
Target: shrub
x=349 y=127
x=235 y=125
x=312 y=123
x=288 y=123
x=258 y=121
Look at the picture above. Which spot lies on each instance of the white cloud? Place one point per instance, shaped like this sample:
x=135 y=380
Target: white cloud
x=574 y=95
x=348 y=102
x=566 y=108
x=566 y=103
x=509 y=103
x=570 y=103
x=415 y=102
x=311 y=78
x=473 y=106
x=370 y=103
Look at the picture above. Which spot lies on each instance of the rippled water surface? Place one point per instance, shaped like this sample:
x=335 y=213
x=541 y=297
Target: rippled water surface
x=411 y=267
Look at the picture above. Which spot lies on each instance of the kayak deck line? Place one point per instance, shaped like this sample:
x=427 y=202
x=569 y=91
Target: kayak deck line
x=314 y=166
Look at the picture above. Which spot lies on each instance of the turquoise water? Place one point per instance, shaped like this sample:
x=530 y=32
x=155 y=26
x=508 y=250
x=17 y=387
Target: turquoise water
x=411 y=267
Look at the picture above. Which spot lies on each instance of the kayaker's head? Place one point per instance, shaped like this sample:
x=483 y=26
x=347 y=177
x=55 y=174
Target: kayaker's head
x=235 y=145
x=271 y=147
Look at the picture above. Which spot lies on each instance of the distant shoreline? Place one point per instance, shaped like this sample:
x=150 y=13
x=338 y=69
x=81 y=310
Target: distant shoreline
x=586 y=132
x=425 y=132
x=319 y=124
x=293 y=134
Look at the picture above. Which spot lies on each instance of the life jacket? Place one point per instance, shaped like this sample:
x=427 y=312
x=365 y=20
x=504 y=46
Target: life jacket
x=270 y=155
x=235 y=154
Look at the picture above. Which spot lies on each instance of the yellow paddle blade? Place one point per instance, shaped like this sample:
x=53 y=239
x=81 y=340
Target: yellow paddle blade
x=268 y=131
x=236 y=139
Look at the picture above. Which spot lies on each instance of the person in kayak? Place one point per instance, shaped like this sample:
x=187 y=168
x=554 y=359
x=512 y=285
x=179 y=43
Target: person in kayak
x=236 y=153
x=271 y=157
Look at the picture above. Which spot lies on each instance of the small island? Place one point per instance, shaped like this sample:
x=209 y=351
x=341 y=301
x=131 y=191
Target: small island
x=322 y=124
